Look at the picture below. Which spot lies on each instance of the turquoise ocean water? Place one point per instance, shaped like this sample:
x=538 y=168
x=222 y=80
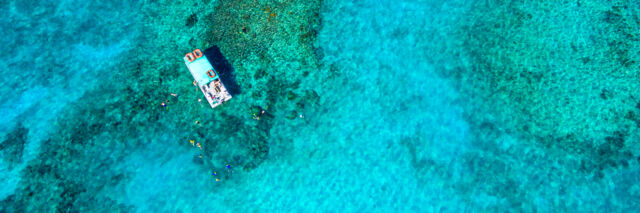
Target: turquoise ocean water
x=371 y=106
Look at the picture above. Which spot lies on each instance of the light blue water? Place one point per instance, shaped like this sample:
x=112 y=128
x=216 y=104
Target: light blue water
x=390 y=132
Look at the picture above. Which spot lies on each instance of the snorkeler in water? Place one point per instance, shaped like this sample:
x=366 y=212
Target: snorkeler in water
x=229 y=170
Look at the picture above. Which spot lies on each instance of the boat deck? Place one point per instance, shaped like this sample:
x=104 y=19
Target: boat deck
x=206 y=78
x=215 y=92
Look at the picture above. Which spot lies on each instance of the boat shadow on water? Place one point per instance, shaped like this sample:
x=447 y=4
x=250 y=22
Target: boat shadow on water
x=224 y=69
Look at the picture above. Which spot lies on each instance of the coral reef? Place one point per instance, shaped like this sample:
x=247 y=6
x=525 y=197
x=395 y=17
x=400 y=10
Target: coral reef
x=544 y=80
x=264 y=42
x=550 y=119
x=112 y=121
x=562 y=79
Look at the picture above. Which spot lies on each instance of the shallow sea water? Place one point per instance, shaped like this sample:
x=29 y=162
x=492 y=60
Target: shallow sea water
x=408 y=117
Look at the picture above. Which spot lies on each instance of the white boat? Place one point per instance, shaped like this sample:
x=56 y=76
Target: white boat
x=206 y=78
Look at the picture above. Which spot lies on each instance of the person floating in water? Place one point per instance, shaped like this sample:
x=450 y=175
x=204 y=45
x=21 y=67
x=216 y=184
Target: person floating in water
x=256 y=114
x=215 y=175
x=257 y=117
x=229 y=170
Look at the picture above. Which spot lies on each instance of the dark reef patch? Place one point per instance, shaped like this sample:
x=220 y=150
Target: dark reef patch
x=624 y=37
x=419 y=164
x=191 y=20
x=9 y=204
x=63 y=181
x=78 y=159
x=517 y=77
x=529 y=80
x=13 y=146
x=270 y=24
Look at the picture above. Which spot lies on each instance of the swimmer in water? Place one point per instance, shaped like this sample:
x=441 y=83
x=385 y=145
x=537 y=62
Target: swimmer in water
x=229 y=170
x=215 y=174
x=257 y=117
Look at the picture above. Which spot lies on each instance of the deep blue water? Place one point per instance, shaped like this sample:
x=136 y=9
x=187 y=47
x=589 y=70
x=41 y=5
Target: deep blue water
x=423 y=106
